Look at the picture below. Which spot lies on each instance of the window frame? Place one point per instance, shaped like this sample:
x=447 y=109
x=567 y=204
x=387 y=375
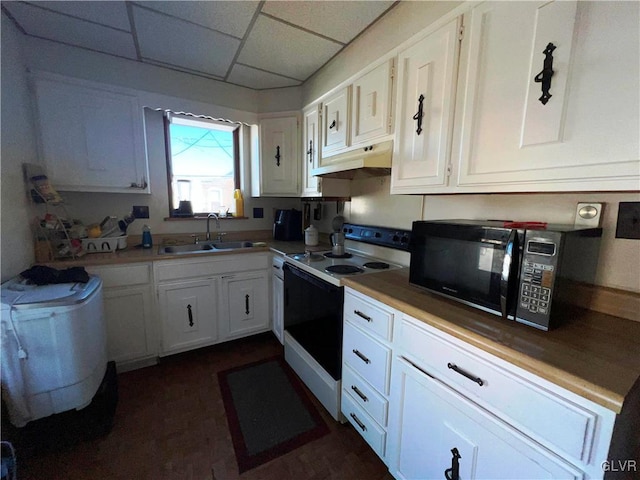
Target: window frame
x=234 y=128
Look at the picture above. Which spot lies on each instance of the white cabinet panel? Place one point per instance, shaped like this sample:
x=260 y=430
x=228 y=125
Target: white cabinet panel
x=587 y=136
x=189 y=314
x=425 y=105
x=371 y=104
x=279 y=164
x=335 y=123
x=245 y=304
x=277 y=307
x=432 y=420
x=91 y=136
x=310 y=150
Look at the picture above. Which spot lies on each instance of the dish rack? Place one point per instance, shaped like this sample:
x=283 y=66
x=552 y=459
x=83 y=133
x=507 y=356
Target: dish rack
x=104 y=244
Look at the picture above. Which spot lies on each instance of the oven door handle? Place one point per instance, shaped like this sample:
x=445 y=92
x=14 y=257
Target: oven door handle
x=298 y=272
x=509 y=276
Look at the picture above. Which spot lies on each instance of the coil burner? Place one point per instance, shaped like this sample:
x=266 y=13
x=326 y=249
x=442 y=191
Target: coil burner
x=343 y=269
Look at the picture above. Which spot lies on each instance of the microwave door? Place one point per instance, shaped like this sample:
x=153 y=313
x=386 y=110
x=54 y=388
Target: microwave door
x=509 y=280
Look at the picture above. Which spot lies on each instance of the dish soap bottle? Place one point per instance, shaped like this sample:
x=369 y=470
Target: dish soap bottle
x=147 y=241
x=237 y=194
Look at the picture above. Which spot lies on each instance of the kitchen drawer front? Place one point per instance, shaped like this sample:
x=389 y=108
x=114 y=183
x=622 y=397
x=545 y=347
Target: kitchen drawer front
x=542 y=414
x=364 y=425
x=168 y=270
x=124 y=275
x=367 y=357
x=369 y=316
x=365 y=396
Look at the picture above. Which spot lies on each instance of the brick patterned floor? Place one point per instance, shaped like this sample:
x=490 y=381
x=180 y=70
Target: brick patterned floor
x=170 y=424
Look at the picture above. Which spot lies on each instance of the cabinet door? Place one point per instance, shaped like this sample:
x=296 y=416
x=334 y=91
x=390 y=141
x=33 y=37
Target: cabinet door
x=246 y=304
x=277 y=306
x=279 y=162
x=127 y=313
x=371 y=104
x=424 y=118
x=587 y=135
x=90 y=138
x=335 y=124
x=430 y=420
x=189 y=315
x=310 y=150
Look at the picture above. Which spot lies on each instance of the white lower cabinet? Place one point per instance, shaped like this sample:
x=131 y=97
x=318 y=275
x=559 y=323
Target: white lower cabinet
x=245 y=304
x=128 y=309
x=438 y=433
x=277 y=298
x=189 y=314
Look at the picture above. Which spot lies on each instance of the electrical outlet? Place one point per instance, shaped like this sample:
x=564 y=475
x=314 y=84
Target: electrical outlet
x=140 y=211
x=628 y=220
x=588 y=215
x=258 y=212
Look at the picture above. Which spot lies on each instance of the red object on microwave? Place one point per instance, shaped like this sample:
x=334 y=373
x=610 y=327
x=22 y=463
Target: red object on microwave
x=529 y=225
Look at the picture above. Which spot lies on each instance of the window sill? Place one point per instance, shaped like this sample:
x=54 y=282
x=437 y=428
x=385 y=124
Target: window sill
x=200 y=217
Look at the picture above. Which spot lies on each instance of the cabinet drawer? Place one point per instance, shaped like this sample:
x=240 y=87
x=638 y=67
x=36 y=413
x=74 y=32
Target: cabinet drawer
x=364 y=425
x=365 y=396
x=121 y=276
x=366 y=356
x=368 y=316
x=538 y=412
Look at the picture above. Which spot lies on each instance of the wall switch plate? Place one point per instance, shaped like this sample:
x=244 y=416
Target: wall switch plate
x=140 y=211
x=628 y=220
x=588 y=215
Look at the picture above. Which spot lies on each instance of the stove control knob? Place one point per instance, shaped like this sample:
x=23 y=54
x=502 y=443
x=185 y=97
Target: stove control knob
x=396 y=238
x=404 y=239
x=377 y=235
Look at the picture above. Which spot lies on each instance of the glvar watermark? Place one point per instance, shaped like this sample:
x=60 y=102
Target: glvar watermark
x=619 y=466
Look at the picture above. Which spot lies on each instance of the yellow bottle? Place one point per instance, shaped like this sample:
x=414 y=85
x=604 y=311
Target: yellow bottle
x=237 y=194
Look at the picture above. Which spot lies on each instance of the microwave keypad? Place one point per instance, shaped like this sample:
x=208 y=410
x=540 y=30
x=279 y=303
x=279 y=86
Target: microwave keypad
x=537 y=281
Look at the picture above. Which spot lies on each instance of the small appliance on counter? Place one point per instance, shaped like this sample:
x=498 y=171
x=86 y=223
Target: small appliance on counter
x=519 y=270
x=288 y=225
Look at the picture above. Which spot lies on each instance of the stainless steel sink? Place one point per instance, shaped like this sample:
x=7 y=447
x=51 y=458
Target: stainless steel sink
x=203 y=247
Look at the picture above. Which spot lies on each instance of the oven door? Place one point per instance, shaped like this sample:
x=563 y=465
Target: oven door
x=313 y=317
x=465 y=262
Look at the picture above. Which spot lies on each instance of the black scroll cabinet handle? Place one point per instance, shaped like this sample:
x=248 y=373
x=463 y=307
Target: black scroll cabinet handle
x=544 y=77
x=310 y=151
x=278 y=156
x=333 y=125
x=418 y=116
x=246 y=304
x=190 y=313
x=457 y=369
x=453 y=473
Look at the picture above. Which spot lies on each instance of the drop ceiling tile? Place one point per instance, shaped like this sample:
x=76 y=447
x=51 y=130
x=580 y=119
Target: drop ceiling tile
x=112 y=14
x=61 y=28
x=183 y=44
x=257 y=79
x=277 y=47
x=230 y=17
x=339 y=20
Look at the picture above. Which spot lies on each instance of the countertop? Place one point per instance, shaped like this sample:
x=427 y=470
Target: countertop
x=594 y=355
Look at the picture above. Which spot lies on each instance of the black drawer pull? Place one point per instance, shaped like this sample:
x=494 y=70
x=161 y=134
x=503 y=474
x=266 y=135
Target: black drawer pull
x=357 y=420
x=362 y=315
x=190 y=313
x=359 y=393
x=361 y=356
x=457 y=369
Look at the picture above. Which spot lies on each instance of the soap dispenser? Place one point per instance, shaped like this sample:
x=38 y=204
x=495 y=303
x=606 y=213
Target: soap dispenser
x=147 y=241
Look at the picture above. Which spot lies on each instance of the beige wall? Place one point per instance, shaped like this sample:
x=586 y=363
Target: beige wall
x=18 y=146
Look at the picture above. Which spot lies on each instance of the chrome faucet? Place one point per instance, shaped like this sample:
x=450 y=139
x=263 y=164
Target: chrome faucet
x=217 y=224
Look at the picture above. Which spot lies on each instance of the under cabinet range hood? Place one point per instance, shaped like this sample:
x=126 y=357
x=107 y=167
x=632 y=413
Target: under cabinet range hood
x=373 y=160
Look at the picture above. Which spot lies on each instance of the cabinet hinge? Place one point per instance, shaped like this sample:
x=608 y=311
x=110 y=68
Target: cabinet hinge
x=461 y=32
x=449 y=170
x=393 y=70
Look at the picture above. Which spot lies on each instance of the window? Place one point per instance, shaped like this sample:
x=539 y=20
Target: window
x=203 y=163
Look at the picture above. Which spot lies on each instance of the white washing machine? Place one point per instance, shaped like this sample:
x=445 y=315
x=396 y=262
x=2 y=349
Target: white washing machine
x=54 y=351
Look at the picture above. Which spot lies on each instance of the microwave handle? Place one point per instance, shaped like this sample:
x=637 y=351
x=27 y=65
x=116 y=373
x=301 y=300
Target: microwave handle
x=509 y=272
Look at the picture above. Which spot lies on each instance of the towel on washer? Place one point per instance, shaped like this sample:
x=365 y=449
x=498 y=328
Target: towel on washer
x=42 y=275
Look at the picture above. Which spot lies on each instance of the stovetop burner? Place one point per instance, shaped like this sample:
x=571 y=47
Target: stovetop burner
x=376 y=265
x=343 y=269
x=333 y=255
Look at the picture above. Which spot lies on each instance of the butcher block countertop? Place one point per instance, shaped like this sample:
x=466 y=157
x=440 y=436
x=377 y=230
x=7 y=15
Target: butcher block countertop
x=592 y=354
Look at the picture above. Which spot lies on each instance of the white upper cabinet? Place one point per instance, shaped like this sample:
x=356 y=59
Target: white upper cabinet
x=371 y=104
x=587 y=134
x=91 y=136
x=310 y=150
x=425 y=107
x=276 y=173
x=335 y=122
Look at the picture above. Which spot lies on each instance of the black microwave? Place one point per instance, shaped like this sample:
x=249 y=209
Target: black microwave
x=517 y=270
